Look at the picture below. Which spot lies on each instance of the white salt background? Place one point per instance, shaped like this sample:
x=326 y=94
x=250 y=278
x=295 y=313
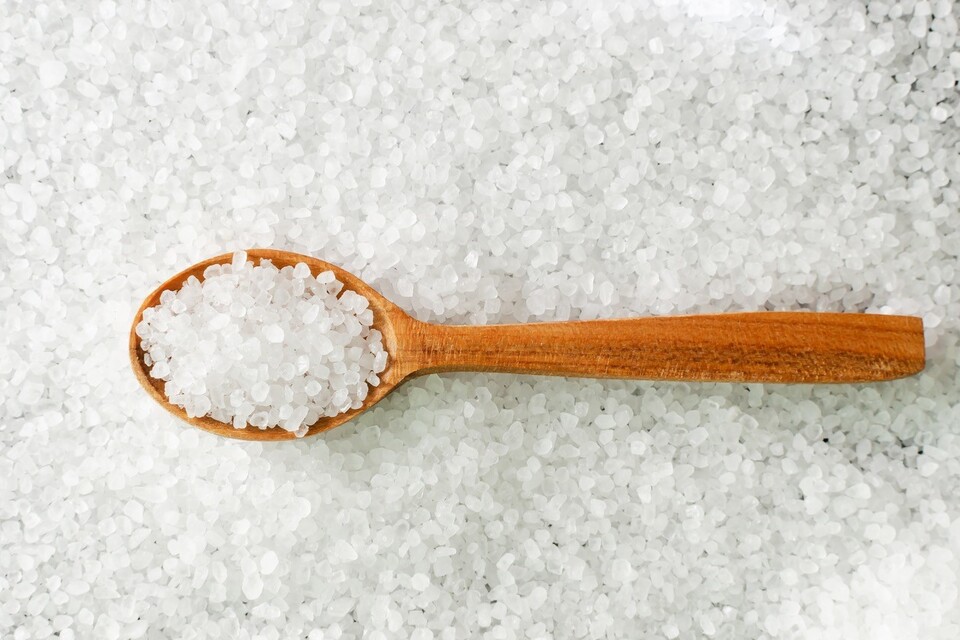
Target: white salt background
x=483 y=163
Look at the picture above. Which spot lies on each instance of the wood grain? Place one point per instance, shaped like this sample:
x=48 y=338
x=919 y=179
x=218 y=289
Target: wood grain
x=776 y=347
x=767 y=346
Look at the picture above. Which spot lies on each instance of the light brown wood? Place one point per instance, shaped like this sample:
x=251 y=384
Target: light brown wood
x=766 y=346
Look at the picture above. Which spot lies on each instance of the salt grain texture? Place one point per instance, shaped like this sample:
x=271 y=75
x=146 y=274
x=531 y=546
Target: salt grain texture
x=629 y=508
x=238 y=346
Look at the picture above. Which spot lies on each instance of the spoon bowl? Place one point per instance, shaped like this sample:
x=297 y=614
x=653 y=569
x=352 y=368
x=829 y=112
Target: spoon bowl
x=387 y=318
x=765 y=346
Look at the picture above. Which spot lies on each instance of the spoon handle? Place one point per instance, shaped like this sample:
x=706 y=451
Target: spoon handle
x=764 y=346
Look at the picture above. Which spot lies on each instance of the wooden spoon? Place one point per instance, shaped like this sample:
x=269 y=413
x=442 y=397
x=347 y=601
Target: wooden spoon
x=764 y=346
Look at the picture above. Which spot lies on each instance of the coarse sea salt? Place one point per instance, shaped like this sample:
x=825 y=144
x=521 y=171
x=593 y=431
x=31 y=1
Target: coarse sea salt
x=542 y=172
x=262 y=346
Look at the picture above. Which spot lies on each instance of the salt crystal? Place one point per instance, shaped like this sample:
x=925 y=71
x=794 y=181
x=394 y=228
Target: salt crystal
x=698 y=436
x=273 y=333
x=252 y=586
x=89 y=175
x=30 y=393
x=859 y=491
x=52 y=73
x=300 y=175
x=797 y=101
x=269 y=562
x=473 y=138
x=420 y=582
x=621 y=570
